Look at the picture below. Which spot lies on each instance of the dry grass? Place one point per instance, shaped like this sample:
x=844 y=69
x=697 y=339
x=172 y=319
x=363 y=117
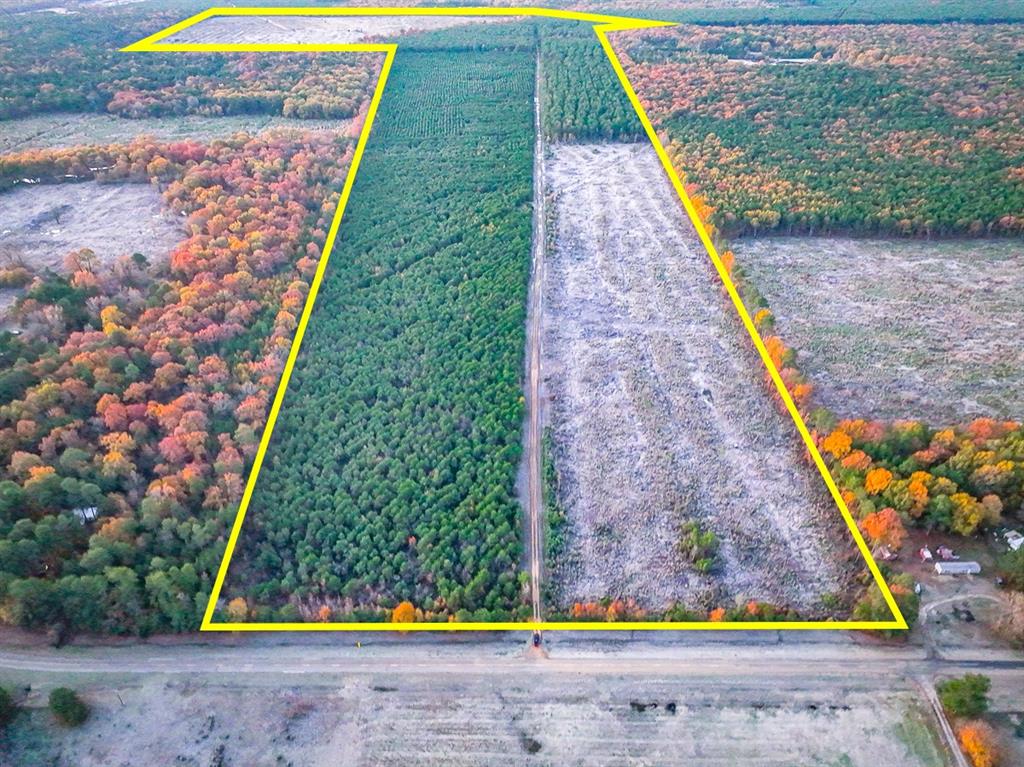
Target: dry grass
x=387 y=720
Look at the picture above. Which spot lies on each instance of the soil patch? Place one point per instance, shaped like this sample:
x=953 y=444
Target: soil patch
x=41 y=224
x=45 y=222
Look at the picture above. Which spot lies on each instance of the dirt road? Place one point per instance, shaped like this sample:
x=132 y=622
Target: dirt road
x=535 y=311
x=761 y=655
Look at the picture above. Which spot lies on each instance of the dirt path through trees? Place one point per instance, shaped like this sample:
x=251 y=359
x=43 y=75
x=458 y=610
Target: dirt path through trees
x=658 y=414
x=535 y=495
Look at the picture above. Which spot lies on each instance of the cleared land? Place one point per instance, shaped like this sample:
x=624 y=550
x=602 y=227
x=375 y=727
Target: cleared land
x=479 y=719
x=657 y=410
x=297 y=29
x=900 y=329
x=61 y=130
x=41 y=224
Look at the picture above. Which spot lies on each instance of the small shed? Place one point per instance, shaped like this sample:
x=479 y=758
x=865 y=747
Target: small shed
x=957 y=568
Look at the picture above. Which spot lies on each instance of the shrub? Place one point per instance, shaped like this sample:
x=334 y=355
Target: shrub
x=698 y=546
x=69 y=709
x=15 y=277
x=966 y=696
x=979 y=743
x=871 y=606
x=404 y=613
x=1011 y=567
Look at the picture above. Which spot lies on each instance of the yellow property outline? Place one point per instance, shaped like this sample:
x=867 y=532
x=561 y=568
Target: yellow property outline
x=603 y=25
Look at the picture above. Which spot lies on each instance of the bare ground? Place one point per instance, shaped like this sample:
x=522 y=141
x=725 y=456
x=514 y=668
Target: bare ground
x=64 y=130
x=316 y=29
x=475 y=720
x=658 y=412
x=897 y=329
x=41 y=224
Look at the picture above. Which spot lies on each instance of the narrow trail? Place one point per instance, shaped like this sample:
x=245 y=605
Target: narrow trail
x=535 y=496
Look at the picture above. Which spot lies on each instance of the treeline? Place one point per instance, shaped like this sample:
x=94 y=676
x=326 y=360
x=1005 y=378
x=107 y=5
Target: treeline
x=893 y=133
x=48 y=64
x=847 y=12
x=956 y=480
x=390 y=475
x=132 y=403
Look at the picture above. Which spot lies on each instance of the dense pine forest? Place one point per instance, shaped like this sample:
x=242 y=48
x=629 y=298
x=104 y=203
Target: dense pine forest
x=582 y=98
x=390 y=474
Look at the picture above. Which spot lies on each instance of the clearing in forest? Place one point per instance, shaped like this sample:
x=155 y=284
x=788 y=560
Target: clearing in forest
x=256 y=28
x=936 y=340
x=65 y=129
x=43 y=223
x=657 y=413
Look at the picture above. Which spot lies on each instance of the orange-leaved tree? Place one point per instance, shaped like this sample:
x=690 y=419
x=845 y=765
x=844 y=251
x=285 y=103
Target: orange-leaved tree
x=884 y=528
x=404 y=613
x=978 y=740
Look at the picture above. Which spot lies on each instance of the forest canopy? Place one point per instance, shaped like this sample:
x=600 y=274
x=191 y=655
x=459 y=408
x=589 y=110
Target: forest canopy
x=896 y=133
x=79 y=68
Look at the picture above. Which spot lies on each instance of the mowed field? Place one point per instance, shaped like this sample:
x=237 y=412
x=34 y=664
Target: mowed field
x=658 y=413
x=937 y=339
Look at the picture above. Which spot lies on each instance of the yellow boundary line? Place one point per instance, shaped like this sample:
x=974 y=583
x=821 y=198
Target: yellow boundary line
x=603 y=25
